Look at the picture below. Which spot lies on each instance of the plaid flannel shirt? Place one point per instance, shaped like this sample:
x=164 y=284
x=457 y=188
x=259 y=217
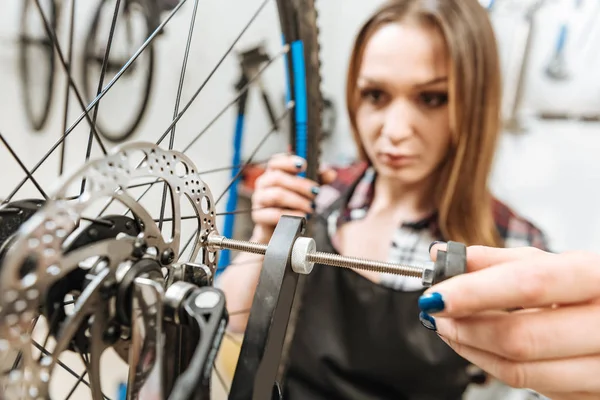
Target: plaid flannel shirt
x=410 y=242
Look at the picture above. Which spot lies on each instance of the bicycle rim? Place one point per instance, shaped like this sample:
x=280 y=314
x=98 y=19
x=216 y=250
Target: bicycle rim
x=37 y=96
x=92 y=60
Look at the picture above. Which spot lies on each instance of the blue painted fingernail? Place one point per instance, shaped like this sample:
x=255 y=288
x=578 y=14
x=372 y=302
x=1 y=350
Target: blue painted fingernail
x=427 y=321
x=315 y=190
x=313 y=205
x=299 y=164
x=434 y=243
x=431 y=303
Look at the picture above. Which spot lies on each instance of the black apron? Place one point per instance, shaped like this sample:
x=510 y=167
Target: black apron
x=359 y=340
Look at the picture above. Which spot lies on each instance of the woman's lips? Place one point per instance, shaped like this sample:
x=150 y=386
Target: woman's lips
x=396 y=160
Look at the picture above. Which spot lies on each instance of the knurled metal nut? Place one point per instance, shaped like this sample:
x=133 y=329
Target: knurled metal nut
x=302 y=247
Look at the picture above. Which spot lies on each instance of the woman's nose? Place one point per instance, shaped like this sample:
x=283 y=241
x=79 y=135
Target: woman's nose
x=398 y=122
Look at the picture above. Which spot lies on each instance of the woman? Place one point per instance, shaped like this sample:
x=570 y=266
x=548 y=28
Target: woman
x=552 y=345
x=423 y=98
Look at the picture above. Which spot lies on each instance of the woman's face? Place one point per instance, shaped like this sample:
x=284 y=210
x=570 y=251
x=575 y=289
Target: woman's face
x=402 y=116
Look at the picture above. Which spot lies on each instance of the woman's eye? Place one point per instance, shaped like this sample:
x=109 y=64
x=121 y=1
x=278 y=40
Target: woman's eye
x=434 y=100
x=373 y=96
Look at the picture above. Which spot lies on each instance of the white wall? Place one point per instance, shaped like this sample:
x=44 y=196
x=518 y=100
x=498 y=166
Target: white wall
x=547 y=174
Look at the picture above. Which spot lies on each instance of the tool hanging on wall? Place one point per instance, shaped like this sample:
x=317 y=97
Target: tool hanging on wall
x=250 y=62
x=519 y=65
x=557 y=67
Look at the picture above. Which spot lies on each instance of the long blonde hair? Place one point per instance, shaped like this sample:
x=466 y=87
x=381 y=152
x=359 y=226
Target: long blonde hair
x=464 y=202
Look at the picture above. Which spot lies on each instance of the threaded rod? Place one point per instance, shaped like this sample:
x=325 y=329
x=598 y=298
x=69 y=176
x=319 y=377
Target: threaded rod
x=222 y=242
x=367 y=265
x=333 y=260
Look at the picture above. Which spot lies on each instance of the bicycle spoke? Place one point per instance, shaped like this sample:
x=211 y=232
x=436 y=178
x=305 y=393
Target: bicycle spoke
x=51 y=327
x=150 y=184
x=187 y=244
x=100 y=83
x=127 y=65
x=220 y=377
x=35 y=168
x=241 y=92
x=65 y=367
x=233 y=338
x=210 y=124
x=183 y=70
x=256 y=149
x=18 y=160
x=68 y=88
x=240 y=312
x=61 y=57
x=20 y=353
x=85 y=358
x=245 y=211
x=177 y=101
x=222 y=169
x=76 y=385
x=229 y=50
x=248 y=162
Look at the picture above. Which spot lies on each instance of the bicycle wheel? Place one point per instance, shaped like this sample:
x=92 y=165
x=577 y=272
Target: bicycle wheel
x=36 y=62
x=114 y=264
x=114 y=124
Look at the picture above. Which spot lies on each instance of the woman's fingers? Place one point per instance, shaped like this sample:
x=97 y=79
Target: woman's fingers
x=279 y=197
x=302 y=186
x=529 y=335
x=294 y=165
x=271 y=216
x=537 y=281
x=288 y=163
x=558 y=376
x=480 y=257
x=327 y=176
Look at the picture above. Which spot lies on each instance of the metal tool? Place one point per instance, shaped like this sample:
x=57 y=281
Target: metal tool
x=287 y=256
x=557 y=67
x=304 y=255
x=518 y=67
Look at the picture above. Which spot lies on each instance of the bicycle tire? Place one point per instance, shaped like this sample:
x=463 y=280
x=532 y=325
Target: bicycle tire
x=90 y=92
x=298 y=20
x=308 y=33
x=36 y=122
x=299 y=23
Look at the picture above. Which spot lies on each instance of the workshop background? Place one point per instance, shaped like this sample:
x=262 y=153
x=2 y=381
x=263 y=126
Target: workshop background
x=548 y=172
x=547 y=167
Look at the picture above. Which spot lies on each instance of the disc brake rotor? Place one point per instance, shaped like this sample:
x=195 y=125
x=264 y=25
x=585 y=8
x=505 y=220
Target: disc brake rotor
x=47 y=250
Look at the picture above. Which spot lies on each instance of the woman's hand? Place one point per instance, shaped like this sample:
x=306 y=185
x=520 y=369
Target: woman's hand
x=280 y=191
x=527 y=317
